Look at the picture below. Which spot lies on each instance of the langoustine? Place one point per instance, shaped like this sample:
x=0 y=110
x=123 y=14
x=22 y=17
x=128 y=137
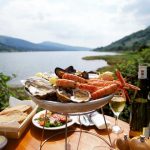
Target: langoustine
x=97 y=87
x=104 y=91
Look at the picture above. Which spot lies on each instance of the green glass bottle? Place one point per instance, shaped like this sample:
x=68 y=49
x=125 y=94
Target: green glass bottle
x=138 y=115
x=146 y=130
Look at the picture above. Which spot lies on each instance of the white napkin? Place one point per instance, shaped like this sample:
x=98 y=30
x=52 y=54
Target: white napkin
x=98 y=120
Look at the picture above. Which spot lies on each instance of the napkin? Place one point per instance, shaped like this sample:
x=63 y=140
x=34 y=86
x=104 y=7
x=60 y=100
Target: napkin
x=98 y=120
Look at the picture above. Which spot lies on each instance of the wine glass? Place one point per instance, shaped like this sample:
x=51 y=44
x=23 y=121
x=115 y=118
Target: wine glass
x=117 y=105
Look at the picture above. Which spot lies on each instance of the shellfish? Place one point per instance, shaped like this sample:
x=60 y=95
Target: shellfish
x=40 y=88
x=63 y=95
x=80 y=96
x=75 y=95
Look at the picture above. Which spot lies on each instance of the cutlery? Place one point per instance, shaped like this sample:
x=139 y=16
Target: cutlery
x=84 y=120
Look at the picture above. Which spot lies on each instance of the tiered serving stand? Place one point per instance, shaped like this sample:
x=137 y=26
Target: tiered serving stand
x=68 y=109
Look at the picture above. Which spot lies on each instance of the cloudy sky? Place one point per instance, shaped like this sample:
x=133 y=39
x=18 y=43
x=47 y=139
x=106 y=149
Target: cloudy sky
x=89 y=23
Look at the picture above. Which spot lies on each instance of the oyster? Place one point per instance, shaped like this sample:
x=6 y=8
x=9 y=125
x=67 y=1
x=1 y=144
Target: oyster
x=40 y=88
x=76 y=95
x=80 y=96
x=63 y=95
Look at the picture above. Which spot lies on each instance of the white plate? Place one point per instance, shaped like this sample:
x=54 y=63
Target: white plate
x=95 y=118
x=82 y=121
x=35 y=122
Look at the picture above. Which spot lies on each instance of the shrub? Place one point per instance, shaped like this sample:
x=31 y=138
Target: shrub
x=4 y=91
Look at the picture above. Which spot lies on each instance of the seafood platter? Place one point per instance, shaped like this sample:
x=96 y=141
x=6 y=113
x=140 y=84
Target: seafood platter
x=70 y=91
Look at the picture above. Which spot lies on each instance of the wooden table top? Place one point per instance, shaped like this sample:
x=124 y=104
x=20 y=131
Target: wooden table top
x=31 y=138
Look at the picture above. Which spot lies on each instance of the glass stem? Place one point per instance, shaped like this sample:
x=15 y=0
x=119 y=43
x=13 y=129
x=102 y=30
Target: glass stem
x=116 y=120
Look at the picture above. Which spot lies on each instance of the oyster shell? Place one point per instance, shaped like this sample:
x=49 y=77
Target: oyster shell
x=63 y=95
x=76 y=95
x=80 y=96
x=40 y=88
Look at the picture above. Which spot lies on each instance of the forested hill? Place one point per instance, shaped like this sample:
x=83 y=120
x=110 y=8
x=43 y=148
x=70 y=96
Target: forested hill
x=10 y=44
x=132 y=42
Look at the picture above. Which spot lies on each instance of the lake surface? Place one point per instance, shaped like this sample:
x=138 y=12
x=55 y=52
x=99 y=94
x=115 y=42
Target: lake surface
x=25 y=64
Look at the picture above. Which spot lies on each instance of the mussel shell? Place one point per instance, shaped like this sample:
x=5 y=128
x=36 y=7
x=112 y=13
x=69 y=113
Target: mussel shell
x=85 y=75
x=70 y=69
x=40 y=88
x=80 y=96
x=59 y=72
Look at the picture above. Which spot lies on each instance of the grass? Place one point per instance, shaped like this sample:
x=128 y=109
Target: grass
x=111 y=60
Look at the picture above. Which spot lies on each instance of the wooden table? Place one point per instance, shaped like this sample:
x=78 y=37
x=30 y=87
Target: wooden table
x=30 y=140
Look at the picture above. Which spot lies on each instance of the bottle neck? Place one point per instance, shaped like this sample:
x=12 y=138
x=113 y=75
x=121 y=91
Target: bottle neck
x=143 y=92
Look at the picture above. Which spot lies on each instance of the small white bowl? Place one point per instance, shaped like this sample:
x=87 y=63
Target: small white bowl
x=3 y=141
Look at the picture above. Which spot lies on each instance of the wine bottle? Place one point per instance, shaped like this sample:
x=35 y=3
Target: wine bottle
x=138 y=115
x=146 y=130
x=148 y=114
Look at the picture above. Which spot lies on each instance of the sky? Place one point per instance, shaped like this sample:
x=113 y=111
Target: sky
x=87 y=23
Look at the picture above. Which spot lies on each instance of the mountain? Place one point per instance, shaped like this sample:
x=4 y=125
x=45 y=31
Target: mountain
x=132 y=42
x=15 y=44
x=62 y=46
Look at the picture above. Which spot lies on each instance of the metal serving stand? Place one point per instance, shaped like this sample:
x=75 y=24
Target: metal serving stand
x=74 y=109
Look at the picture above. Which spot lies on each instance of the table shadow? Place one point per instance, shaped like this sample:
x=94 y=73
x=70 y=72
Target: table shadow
x=55 y=135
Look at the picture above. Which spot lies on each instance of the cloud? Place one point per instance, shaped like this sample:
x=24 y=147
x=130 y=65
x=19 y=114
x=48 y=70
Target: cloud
x=141 y=11
x=75 y=22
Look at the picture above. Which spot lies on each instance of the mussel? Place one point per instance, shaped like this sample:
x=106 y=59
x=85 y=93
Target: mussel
x=59 y=72
x=70 y=69
x=84 y=75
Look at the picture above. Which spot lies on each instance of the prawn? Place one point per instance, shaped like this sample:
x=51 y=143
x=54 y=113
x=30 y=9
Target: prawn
x=104 y=91
x=102 y=83
x=73 y=77
x=87 y=87
x=66 y=83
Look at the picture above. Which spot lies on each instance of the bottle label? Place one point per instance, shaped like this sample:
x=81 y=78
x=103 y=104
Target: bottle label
x=142 y=74
x=146 y=132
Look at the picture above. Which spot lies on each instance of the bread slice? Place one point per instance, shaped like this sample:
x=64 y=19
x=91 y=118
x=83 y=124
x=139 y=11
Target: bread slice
x=14 y=115
x=21 y=108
